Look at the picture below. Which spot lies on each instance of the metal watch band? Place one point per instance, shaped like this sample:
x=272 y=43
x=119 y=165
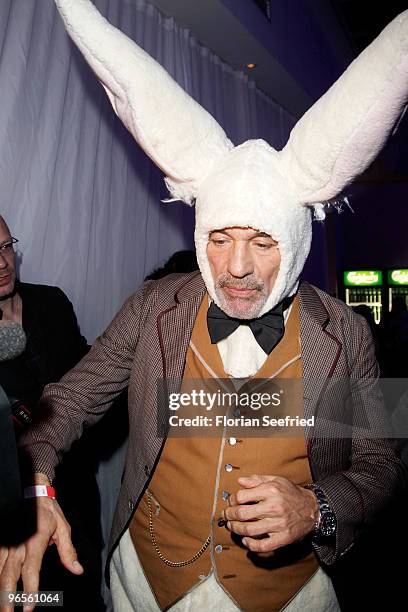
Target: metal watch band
x=327 y=523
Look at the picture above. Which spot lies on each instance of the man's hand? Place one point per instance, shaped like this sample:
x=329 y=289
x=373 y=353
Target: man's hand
x=25 y=560
x=273 y=509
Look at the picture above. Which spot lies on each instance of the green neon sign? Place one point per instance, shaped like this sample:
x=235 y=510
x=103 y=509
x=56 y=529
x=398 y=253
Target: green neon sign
x=398 y=277
x=363 y=278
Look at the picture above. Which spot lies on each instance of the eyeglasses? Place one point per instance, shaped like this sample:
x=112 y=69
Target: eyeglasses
x=7 y=247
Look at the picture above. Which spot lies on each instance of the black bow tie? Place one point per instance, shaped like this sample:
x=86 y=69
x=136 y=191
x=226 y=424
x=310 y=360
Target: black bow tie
x=268 y=329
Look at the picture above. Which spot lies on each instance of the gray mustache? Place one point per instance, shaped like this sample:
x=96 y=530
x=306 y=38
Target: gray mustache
x=248 y=283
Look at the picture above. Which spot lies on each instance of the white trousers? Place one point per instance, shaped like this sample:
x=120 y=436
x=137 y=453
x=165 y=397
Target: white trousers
x=131 y=591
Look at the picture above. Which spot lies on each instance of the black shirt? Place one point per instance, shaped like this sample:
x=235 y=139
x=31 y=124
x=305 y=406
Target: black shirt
x=54 y=343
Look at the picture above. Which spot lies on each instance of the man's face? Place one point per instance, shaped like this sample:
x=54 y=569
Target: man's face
x=244 y=265
x=7 y=263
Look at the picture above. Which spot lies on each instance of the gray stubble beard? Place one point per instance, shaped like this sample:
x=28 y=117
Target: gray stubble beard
x=227 y=304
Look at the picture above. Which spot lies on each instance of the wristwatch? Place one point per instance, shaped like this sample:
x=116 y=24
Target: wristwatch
x=326 y=525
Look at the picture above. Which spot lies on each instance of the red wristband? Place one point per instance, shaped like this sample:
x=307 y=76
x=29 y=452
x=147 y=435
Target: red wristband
x=39 y=491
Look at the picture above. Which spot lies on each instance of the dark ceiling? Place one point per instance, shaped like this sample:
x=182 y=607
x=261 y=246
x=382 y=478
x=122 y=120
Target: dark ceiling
x=363 y=20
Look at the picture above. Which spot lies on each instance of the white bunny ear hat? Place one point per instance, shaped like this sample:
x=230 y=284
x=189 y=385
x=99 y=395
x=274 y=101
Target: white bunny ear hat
x=251 y=185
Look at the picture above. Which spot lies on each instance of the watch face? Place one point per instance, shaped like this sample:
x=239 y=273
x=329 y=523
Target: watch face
x=328 y=525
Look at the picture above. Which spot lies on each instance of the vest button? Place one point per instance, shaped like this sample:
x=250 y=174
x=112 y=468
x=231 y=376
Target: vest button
x=232 y=441
x=218 y=549
x=225 y=495
x=236 y=412
x=228 y=467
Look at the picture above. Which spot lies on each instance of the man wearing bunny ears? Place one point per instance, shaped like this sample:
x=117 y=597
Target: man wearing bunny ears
x=223 y=522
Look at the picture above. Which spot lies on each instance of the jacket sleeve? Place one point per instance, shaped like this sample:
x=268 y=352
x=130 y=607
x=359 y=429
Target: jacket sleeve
x=85 y=393
x=375 y=474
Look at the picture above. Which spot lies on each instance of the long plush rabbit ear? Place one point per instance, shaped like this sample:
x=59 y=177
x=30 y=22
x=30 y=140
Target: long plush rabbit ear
x=342 y=133
x=181 y=137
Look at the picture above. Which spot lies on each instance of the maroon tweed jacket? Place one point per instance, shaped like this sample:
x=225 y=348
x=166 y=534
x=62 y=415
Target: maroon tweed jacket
x=148 y=339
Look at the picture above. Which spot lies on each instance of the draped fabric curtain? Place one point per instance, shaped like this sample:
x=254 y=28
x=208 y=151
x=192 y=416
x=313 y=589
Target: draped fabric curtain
x=75 y=188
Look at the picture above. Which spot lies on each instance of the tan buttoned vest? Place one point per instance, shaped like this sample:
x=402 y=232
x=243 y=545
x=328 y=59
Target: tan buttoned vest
x=190 y=487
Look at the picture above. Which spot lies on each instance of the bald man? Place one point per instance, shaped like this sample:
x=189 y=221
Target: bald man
x=54 y=342
x=10 y=300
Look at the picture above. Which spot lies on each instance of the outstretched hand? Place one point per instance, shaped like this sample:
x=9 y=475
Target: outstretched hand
x=25 y=559
x=270 y=512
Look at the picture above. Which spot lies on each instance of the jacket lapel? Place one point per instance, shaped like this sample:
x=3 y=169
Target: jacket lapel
x=175 y=326
x=320 y=349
